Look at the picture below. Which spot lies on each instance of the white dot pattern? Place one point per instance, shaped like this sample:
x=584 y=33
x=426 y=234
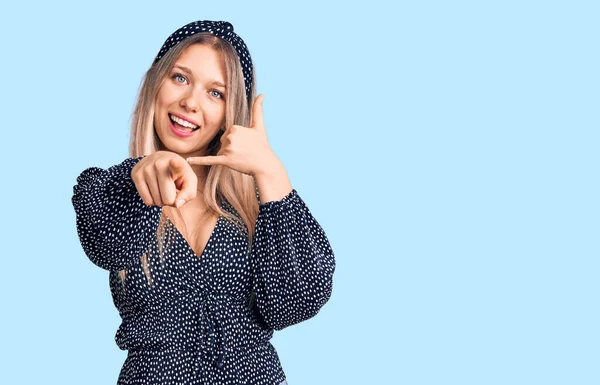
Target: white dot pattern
x=207 y=319
x=221 y=29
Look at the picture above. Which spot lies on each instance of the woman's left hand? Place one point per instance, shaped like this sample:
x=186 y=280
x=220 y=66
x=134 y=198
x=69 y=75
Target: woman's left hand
x=244 y=149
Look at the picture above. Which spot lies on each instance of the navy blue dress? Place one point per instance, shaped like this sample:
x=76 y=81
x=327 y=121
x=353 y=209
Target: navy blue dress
x=208 y=319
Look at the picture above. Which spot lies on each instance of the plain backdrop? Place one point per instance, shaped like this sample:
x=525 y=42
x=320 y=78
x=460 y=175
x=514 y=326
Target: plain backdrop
x=449 y=149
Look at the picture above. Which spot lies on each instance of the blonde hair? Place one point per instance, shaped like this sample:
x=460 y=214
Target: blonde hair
x=222 y=182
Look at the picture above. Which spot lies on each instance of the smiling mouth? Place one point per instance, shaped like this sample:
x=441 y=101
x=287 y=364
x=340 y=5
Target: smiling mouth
x=181 y=127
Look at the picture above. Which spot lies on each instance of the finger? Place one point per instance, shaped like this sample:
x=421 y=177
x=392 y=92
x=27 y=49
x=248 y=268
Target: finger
x=257 y=113
x=208 y=160
x=225 y=139
x=177 y=167
x=167 y=189
x=170 y=180
x=144 y=193
x=154 y=190
x=188 y=190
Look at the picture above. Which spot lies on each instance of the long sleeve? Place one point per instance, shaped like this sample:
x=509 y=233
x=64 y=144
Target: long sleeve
x=292 y=262
x=114 y=224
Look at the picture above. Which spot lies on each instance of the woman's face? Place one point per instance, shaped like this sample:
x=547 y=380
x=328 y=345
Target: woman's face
x=194 y=91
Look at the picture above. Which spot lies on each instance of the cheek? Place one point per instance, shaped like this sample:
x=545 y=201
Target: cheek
x=166 y=95
x=162 y=101
x=218 y=115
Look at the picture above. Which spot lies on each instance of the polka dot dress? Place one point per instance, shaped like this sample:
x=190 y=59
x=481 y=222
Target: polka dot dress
x=207 y=319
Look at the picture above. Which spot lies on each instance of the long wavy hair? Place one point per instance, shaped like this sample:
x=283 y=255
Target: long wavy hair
x=237 y=188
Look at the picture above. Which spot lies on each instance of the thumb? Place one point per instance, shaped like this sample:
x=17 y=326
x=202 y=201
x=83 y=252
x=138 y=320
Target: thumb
x=258 y=120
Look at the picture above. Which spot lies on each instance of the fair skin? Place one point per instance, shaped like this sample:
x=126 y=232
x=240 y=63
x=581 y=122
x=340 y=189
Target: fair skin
x=177 y=174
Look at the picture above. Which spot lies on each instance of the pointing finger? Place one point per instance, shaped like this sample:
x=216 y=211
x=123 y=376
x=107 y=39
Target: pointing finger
x=208 y=160
x=187 y=191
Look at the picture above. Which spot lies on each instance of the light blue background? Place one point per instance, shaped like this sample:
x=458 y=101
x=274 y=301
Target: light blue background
x=448 y=149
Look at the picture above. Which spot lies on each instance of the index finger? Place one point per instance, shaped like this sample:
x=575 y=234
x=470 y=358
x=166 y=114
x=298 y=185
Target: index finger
x=187 y=190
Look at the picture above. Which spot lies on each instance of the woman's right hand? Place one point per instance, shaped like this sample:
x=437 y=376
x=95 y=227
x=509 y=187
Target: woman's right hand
x=164 y=178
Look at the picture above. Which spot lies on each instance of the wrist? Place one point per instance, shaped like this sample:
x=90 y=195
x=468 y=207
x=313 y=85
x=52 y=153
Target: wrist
x=272 y=169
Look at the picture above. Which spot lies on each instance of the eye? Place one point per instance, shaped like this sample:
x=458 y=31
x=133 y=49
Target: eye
x=177 y=75
x=220 y=95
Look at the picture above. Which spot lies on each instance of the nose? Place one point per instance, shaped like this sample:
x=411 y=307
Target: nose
x=190 y=101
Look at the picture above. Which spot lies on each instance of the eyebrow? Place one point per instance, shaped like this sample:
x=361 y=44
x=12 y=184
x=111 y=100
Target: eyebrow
x=212 y=81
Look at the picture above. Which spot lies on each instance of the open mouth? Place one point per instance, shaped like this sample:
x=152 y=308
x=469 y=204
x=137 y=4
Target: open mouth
x=183 y=125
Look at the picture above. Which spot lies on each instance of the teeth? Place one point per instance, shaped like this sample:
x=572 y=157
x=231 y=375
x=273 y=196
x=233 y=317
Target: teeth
x=182 y=122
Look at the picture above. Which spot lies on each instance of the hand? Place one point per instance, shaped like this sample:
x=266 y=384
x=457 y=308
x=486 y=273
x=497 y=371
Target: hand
x=164 y=178
x=244 y=149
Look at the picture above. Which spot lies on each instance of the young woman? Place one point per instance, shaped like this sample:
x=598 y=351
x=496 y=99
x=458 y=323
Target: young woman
x=208 y=246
